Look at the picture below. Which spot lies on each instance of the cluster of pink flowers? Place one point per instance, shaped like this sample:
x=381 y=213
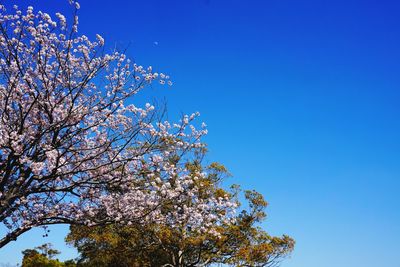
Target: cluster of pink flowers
x=72 y=150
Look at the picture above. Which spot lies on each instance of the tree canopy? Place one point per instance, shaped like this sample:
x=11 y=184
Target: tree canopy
x=237 y=242
x=42 y=256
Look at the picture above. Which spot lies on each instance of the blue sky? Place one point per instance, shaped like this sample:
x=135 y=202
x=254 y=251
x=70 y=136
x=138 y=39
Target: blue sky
x=301 y=99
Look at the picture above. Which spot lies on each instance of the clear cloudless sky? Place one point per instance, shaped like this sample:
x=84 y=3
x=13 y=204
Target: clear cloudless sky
x=301 y=99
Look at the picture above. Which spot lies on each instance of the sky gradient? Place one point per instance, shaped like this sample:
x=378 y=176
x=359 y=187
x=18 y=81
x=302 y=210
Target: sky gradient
x=301 y=99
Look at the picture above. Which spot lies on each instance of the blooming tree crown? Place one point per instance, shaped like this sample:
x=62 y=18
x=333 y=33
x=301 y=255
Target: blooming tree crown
x=72 y=148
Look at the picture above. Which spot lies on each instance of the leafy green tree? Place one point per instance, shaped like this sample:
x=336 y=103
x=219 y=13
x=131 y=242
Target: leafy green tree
x=43 y=256
x=239 y=241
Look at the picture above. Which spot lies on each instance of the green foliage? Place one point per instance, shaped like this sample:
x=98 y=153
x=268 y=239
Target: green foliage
x=42 y=256
x=112 y=245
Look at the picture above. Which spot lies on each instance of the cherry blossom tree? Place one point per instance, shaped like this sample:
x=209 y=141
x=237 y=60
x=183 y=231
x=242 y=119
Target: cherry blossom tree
x=73 y=147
